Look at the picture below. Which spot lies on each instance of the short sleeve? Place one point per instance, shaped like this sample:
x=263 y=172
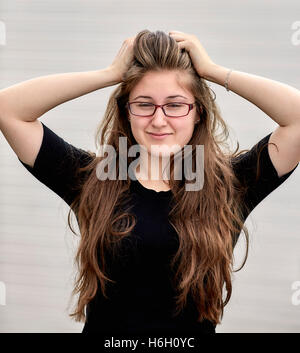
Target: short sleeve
x=261 y=181
x=57 y=163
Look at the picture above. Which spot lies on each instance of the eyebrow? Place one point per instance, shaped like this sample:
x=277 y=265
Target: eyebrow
x=148 y=97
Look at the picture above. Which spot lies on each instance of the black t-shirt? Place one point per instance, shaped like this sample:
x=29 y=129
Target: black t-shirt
x=142 y=299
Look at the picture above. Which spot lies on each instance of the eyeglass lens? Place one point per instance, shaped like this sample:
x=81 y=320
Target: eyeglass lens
x=171 y=109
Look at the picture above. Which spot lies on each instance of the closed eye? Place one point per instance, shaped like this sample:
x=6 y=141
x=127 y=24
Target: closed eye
x=174 y=105
x=140 y=104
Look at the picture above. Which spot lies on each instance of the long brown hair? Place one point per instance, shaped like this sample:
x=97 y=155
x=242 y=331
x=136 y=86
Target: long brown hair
x=206 y=221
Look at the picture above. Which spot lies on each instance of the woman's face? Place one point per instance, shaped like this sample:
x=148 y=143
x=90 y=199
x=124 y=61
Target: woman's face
x=158 y=86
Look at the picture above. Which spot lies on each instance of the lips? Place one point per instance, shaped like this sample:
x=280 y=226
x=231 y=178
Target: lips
x=159 y=136
x=152 y=133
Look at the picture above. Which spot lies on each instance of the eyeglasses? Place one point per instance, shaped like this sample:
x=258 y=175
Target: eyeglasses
x=173 y=110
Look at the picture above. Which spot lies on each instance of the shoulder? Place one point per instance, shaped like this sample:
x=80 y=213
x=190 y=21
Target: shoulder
x=256 y=172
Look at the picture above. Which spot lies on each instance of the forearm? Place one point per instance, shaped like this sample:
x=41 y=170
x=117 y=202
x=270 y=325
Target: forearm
x=279 y=101
x=30 y=99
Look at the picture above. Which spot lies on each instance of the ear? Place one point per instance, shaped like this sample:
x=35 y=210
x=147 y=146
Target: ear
x=200 y=109
x=198 y=117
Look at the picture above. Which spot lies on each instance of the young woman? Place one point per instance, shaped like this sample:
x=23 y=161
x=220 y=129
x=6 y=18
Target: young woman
x=154 y=257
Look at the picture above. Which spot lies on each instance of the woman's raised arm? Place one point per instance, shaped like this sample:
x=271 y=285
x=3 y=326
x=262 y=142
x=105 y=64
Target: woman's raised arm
x=23 y=103
x=28 y=100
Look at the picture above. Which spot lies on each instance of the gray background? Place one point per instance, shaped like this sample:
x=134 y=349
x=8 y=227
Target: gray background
x=48 y=37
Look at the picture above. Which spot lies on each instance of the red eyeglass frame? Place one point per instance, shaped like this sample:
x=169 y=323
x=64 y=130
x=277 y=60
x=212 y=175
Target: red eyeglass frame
x=190 y=105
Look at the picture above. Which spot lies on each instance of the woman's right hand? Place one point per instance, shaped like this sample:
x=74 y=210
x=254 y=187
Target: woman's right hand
x=123 y=59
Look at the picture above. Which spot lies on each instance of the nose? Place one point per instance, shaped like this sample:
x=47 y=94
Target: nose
x=159 y=119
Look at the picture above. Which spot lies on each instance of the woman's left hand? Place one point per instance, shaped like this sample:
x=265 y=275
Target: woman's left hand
x=201 y=61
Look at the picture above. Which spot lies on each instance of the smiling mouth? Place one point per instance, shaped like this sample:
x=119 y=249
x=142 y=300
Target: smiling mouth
x=152 y=133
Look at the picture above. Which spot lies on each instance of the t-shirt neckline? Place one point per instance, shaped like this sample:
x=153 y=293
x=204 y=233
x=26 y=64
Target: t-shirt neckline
x=142 y=190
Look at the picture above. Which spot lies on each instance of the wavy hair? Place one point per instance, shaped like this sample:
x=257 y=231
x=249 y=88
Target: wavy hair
x=207 y=222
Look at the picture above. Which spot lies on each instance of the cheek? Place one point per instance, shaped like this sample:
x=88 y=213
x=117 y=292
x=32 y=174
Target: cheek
x=184 y=133
x=137 y=129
